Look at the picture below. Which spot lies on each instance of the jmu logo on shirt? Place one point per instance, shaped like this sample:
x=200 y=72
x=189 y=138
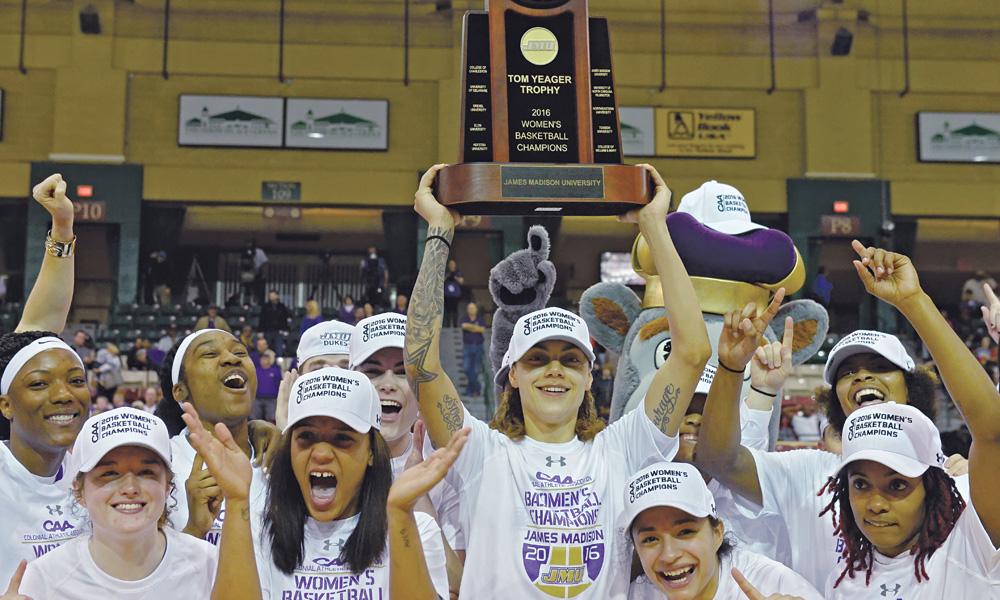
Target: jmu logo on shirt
x=563 y=551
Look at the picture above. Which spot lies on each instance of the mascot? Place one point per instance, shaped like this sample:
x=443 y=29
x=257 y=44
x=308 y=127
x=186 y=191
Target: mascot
x=732 y=261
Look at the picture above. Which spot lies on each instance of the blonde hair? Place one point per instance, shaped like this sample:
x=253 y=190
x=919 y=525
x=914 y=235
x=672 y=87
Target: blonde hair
x=312 y=308
x=509 y=418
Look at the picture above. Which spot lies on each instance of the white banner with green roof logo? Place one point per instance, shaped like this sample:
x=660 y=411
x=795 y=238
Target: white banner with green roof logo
x=958 y=137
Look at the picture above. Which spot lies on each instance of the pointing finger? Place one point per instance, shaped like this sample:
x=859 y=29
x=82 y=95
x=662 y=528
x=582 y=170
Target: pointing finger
x=15 y=580
x=789 y=335
x=990 y=294
x=748 y=589
x=197 y=465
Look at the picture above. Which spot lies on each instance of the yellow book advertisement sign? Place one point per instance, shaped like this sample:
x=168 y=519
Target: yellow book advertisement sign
x=705 y=133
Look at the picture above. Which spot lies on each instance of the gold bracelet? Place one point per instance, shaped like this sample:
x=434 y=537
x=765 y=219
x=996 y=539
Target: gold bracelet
x=59 y=249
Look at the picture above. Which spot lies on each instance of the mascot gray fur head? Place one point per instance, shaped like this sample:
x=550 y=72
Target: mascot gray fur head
x=520 y=284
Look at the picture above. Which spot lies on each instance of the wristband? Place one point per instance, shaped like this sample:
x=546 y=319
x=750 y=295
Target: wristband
x=728 y=369
x=762 y=392
x=438 y=237
x=59 y=249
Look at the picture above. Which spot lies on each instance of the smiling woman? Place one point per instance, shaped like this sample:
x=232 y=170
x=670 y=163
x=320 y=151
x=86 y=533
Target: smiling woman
x=120 y=472
x=212 y=370
x=44 y=399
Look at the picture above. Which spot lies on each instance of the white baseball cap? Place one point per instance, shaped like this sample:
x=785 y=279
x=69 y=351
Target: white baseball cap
x=678 y=485
x=387 y=330
x=706 y=379
x=328 y=337
x=719 y=206
x=544 y=325
x=898 y=436
x=338 y=393
x=106 y=431
x=866 y=341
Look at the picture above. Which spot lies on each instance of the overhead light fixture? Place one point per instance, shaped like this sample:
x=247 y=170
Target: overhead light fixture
x=842 y=41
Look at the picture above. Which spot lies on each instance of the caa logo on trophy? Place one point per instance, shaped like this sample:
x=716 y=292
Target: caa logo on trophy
x=540 y=131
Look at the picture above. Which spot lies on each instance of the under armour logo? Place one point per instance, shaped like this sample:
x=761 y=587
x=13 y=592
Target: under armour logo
x=54 y=509
x=555 y=460
x=328 y=545
x=886 y=592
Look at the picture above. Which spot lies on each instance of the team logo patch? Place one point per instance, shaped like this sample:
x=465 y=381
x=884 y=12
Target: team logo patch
x=563 y=552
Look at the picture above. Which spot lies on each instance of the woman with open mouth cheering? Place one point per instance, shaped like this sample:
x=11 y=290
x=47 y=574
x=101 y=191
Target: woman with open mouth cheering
x=332 y=523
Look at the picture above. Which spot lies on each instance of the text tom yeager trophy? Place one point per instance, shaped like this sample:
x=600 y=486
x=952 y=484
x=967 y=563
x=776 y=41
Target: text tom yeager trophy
x=540 y=131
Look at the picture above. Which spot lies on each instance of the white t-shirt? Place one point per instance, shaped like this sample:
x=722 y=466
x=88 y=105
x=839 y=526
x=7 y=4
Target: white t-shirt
x=322 y=576
x=443 y=496
x=541 y=519
x=806 y=427
x=768 y=576
x=789 y=483
x=187 y=570
x=182 y=458
x=36 y=515
x=965 y=567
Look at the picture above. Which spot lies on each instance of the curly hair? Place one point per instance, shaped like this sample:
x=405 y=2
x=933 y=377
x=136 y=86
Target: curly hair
x=10 y=344
x=942 y=505
x=921 y=390
x=509 y=418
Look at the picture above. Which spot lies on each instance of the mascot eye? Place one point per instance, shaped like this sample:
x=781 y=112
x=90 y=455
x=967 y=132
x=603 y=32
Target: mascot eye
x=661 y=353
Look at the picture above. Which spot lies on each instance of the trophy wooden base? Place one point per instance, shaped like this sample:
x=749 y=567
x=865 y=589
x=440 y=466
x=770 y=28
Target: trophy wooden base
x=539 y=189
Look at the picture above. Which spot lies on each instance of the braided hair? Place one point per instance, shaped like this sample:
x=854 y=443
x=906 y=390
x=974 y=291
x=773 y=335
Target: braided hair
x=942 y=504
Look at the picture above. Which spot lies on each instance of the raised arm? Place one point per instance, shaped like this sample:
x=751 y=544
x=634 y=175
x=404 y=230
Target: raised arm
x=719 y=450
x=409 y=576
x=236 y=576
x=440 y=405
x=673 y=385
x=892 y=278
x=48 y=305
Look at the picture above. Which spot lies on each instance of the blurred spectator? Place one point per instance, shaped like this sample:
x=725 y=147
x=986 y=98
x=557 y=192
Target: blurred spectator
x=118 y=399
x=108 y=365
x=313 y=316
x=268 y=379
x=369 y=310
x=260 y=346
x=401 y=303
x=806 y=423
x=151 y=396
x=346 y=311
x=157 y=276
x=246 y=337
x=375 y=275
x=473 y=328
x=212 y=320
x=3 y=288
x=453 y=282
x=359 y=313
x=169 y=338
x=101 y=404
x=138 y=357
x=84 y=347
x=974 y=286
x=986 y=353
x=274 y=316
x=822 y=288
x=139 y=405
x=958 y=441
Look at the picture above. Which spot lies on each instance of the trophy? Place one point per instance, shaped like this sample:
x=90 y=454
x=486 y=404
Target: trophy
x=540 y=130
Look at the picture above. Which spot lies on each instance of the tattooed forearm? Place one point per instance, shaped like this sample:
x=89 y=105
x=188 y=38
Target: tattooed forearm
x=404 y=533
x=451 y=412
x=425 y=314
x=663 y=411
